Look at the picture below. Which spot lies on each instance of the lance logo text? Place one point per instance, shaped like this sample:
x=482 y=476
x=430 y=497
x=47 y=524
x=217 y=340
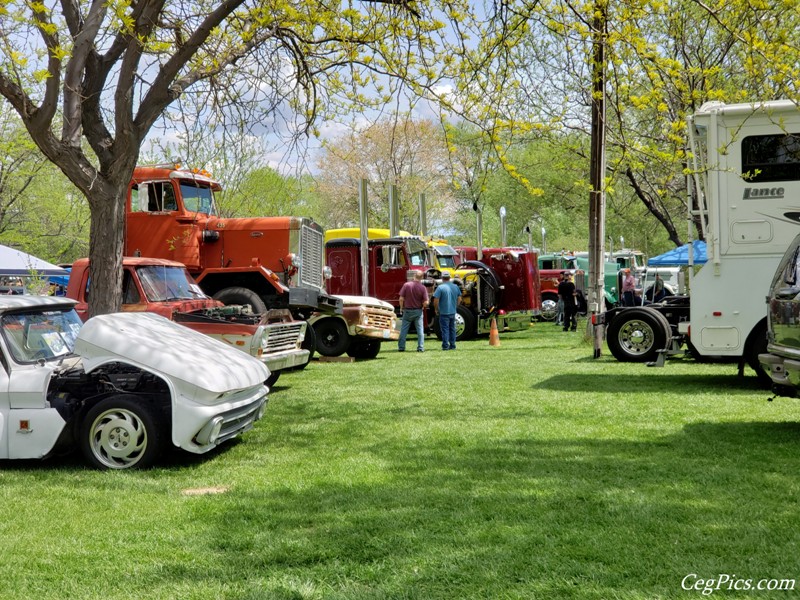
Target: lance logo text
x=752 y=193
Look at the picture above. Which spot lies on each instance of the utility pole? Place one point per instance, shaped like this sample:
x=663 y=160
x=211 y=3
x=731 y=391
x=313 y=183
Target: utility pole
x=597 y=171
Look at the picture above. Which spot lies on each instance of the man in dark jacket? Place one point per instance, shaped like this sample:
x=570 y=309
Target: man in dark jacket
x=568 y=294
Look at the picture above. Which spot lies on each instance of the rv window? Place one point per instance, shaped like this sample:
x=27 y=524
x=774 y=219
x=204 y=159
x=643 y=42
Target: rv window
x=771 y=157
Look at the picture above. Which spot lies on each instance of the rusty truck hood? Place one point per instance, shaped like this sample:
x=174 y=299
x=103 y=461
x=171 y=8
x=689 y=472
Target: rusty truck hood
x=364 y=301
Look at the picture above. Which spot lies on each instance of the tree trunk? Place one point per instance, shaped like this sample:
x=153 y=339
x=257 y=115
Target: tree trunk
x=106 y=241
x=654 y=209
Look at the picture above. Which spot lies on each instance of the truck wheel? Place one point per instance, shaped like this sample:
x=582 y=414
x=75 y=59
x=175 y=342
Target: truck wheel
x=243 y=296
x=549 y=307
x=273 y=377
x=757 y=344
x=121 y=432
x=637 y=334
x=465 y=323
x=332 y=337
x=364 y=348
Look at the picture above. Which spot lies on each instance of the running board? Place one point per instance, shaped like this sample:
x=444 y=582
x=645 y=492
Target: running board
x=675 y=348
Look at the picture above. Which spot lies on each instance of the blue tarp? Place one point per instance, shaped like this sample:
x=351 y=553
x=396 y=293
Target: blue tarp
x=680 y=256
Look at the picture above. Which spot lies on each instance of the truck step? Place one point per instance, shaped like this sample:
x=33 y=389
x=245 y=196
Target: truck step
x=673 y=349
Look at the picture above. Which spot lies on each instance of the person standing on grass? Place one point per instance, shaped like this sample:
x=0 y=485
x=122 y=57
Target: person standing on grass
x=568 y=293
x=628 y=289
x=446 y=299
x=413 y=300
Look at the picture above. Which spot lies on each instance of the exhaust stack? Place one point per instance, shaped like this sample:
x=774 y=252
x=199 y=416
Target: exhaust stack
x=503 y=240
x=479 y=228
x=394 y=211
x=363 y=224
x=423 y=217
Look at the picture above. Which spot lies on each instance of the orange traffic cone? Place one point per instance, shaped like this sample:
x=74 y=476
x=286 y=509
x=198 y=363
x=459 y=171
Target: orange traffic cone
x=494 y=335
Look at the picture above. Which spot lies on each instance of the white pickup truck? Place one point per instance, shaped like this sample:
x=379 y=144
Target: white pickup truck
x=120 y=387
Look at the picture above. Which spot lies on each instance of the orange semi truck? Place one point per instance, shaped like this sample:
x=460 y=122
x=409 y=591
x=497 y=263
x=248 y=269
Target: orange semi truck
x=264 y=262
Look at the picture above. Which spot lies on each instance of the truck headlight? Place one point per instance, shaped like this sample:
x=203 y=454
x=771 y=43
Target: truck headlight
x=364 y=319
x=327 y=273
x=294 y=260
x=210 y=432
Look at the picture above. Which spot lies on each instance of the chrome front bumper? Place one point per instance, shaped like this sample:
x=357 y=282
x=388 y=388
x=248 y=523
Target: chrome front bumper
x=277 y=361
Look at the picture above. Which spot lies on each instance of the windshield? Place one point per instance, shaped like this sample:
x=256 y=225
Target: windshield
x=446 y=256
x=162 y=283
x=41 y=335
x=447 y=262
x=198 y=197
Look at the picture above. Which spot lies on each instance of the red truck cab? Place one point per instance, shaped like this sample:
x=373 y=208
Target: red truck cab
x=504 y=287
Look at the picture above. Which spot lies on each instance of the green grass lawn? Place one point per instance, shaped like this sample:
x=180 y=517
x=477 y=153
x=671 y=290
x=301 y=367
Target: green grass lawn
x=525 y=471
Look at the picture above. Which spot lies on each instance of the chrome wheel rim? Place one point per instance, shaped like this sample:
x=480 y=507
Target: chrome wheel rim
x=549 y=309
x=118 y=438
x=636 y=337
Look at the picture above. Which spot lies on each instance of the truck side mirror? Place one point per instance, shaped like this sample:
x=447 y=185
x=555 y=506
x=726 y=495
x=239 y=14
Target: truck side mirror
x=142 y=197
x=389 y=255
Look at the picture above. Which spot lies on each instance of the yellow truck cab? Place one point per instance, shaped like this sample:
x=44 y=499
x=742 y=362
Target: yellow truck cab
x=440 y=255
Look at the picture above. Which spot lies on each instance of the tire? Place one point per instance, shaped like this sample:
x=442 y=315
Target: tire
x=490 y=288
x=121 y=432
x=465 y=324
x=637 y=334
x=310 y=344
x=243 y=296
x=364 y=348
x=757 y=344
x=273 y=377
x=332 y=337
x=549 y=307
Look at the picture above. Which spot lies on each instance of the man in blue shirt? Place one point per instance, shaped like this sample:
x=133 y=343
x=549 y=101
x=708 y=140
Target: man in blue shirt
x=446 y=299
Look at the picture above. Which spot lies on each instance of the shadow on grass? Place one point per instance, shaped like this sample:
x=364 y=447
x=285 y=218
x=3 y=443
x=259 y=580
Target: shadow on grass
x=657 y=380
x=578 y=518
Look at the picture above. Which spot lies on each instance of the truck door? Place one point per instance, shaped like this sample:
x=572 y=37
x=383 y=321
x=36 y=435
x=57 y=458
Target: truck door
x=389 y=274
x=154 y=228
x=345 y=273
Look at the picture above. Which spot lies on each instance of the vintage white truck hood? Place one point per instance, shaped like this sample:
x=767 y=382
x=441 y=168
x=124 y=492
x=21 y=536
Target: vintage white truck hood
x=365 y=301
x=155 y=343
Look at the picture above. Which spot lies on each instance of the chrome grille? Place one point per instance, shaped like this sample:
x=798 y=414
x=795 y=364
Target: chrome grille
x=283 y=336
x=240 y=419
x=580 y=281
x=380 y=320
x=311 y=252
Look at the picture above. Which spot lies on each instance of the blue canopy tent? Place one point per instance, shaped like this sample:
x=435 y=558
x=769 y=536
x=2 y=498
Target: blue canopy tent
x=18 y=269
x=17 y=262
x=679 y=257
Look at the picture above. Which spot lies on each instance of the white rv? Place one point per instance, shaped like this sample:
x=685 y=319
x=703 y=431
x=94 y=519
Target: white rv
x=747 y=184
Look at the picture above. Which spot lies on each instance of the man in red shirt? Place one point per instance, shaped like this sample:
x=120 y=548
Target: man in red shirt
x=413 y=300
